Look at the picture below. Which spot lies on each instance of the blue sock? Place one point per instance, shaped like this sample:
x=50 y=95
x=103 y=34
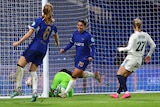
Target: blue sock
x=120 y=87
x=122 y=81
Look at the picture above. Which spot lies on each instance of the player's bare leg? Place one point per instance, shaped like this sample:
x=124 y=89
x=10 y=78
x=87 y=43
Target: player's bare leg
x=76 y=73
x=96 y=75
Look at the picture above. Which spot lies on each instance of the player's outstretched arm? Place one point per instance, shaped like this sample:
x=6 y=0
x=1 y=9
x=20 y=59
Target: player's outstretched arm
x=70 y=44
x=90 y=59
x=62 y=51
x=25 y=37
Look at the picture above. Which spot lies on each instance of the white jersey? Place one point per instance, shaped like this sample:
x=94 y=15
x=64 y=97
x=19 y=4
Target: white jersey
x=137 y=43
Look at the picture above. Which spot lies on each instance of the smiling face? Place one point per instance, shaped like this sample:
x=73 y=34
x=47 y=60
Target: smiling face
x=81 y=26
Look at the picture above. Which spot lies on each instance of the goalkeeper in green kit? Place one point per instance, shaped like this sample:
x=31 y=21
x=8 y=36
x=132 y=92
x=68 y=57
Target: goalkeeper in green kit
x=60 y=82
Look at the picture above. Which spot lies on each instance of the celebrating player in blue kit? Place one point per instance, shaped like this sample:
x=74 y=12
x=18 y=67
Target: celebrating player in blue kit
x=85 y=49
x=43 y=27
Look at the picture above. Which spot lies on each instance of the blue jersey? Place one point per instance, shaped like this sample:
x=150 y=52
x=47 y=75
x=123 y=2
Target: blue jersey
x=84 y=43
x=42 y=34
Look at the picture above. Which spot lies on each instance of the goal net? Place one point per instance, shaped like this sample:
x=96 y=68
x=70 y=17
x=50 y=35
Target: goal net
x=110 y=24
x=109 y=21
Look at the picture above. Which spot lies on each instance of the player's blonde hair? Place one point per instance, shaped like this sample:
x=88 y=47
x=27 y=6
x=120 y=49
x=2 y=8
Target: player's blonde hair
x=137 y=24
x=47 y=13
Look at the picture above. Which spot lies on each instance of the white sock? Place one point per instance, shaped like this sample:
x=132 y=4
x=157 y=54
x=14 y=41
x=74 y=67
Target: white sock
x=70 y=85
x=19 y=77
x=87 y=74
x=34 y=78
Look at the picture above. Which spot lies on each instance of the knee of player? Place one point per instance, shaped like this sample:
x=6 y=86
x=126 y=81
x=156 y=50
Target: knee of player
x=74 y=77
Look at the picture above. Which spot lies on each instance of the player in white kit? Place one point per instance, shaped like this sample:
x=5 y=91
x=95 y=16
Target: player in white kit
x=135 y=48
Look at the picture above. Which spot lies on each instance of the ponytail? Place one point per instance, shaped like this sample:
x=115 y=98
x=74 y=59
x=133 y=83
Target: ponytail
x=47 y=13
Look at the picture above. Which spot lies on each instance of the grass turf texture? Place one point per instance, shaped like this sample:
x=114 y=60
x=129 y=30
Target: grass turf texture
x=137 y=100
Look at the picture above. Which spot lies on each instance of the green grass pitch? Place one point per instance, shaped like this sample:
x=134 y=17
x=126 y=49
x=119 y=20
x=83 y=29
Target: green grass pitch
x=137 y=100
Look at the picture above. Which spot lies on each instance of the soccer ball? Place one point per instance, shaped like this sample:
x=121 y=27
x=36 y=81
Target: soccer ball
x=28 y=81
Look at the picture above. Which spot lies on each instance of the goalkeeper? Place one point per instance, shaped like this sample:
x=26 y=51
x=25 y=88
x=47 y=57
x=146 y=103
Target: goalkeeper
x=60 y=82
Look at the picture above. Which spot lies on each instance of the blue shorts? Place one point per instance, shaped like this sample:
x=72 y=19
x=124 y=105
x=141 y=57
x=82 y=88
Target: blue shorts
x=81 y=64
x=33 y=56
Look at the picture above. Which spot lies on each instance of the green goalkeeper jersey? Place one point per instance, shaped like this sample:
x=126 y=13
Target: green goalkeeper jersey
x=61 y=78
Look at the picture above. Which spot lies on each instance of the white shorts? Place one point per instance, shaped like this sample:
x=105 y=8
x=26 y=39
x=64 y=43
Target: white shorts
x=132 y=63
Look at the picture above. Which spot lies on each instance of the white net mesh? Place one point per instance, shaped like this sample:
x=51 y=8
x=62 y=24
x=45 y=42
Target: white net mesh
x=110 y=24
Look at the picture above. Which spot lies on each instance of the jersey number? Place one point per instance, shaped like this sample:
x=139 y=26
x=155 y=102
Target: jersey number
x=46 y=33
x=140 y=46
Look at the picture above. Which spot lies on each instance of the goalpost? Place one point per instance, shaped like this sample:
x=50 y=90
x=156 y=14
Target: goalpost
x=109 y=21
